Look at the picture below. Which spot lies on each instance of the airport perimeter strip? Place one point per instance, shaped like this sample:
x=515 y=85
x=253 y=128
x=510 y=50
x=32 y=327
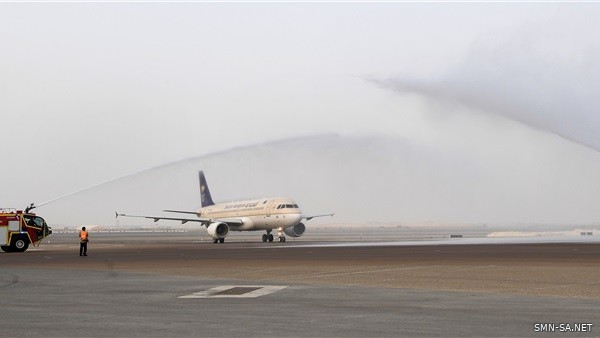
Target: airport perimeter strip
x=236 y=291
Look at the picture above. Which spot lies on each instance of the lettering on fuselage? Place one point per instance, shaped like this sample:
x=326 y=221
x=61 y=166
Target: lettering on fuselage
x=240 y=206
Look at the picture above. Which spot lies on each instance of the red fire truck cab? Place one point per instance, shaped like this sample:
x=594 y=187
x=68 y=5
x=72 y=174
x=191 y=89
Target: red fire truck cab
x=19 y=229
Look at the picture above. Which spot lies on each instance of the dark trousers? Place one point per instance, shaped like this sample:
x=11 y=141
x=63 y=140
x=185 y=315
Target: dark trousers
x=83 y=248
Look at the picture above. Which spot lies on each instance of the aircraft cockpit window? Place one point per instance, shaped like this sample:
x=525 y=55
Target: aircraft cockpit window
x=296 y=206
x=291 y=206
x=280 y=206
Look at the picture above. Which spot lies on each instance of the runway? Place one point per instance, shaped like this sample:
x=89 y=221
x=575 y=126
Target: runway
x=133 y=284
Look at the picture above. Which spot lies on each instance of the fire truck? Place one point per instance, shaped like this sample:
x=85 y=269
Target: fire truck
x=18 y=229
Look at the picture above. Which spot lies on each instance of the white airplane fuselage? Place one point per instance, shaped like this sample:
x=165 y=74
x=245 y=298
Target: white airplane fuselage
x=257 y=214
x=267 y=214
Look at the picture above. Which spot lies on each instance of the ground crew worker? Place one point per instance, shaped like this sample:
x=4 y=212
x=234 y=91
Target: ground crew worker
x=85 y=238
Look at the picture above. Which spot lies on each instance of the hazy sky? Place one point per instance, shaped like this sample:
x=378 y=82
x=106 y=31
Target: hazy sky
x=488 y=91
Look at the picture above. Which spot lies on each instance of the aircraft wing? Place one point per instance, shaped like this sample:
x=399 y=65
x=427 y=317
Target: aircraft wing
x=308 y=218
x=182 y=212
x=204 y=221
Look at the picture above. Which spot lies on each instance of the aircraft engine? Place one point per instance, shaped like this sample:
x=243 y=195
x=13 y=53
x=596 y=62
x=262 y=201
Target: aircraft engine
x=218 y=230
x=295 y=231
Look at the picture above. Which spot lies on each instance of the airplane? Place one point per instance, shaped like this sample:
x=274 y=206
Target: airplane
x=268 y=214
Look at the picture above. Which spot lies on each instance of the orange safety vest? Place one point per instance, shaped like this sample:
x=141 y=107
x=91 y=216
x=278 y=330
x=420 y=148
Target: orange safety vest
x=83 y=235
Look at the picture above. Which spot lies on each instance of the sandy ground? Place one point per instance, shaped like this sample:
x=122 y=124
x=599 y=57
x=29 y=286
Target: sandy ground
x=550 y=269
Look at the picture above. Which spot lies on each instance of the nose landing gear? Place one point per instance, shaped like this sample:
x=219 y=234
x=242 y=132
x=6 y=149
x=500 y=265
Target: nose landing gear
x=280 y=234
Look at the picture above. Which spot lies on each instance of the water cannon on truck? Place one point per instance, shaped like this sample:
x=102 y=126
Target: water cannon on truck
x=19 y=229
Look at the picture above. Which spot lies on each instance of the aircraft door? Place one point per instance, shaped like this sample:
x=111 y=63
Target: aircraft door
x=270 y=207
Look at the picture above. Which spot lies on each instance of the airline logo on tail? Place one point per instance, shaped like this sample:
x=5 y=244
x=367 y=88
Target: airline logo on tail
x=202 y=197
x=205 y=197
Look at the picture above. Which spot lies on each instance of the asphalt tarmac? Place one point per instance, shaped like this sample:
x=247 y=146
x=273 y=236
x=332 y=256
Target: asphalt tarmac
x=176 y=284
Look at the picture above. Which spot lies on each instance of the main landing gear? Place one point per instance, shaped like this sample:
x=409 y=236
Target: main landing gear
x=219 y=240
x=269 y=236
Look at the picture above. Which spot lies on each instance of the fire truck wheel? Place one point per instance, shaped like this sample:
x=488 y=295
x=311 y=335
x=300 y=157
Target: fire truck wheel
x=5 y=248
x=20 y=244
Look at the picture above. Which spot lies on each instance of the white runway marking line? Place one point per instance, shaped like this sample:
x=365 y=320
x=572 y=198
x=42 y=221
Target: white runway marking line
x=335 y=273
x=362 y=271
x=255 y=271
x=472 y=268
x=236 y=291
x=563 y=286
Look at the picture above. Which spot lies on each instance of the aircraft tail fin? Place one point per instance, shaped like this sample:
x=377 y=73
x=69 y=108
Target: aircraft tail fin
x=205 y=197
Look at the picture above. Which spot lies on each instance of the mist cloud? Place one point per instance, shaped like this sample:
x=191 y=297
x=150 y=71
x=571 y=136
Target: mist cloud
x=547 y=78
